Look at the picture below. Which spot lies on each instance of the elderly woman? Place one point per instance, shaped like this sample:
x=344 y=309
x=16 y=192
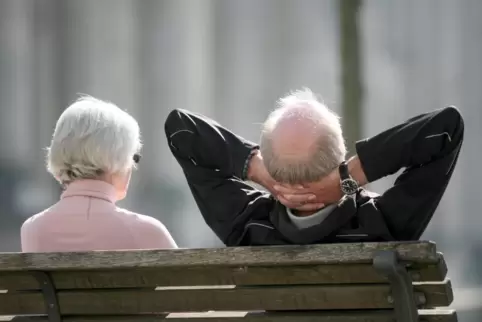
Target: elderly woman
x=94 y=149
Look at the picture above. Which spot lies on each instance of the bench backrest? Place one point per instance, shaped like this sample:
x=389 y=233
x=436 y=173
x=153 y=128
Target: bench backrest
x=94 y=286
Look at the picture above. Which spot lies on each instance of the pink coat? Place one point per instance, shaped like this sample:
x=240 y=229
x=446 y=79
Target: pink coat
x=86 y=218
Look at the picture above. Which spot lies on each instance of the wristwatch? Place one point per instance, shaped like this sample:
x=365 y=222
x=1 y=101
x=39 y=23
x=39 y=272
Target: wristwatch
x=348 y=185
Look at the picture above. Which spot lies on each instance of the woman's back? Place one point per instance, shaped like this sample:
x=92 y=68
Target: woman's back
x=94 y=150
x=86 y=218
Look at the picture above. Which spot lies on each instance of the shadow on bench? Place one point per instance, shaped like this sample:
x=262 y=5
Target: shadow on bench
x=370 y=282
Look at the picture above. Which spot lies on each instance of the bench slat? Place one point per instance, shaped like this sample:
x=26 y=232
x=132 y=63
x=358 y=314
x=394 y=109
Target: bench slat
x=332 y=316
x=235 y=256
x=131 y=301
x=227 y=275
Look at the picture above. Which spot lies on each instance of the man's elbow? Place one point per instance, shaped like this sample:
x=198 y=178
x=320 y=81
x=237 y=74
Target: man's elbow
x=454 y=119
x=173 y=121
x=451 y=123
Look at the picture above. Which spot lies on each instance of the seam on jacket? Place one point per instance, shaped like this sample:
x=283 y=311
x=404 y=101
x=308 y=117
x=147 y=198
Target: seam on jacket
x=440 y=134
x=257 y=224
x=245 y=230
x=88 y=207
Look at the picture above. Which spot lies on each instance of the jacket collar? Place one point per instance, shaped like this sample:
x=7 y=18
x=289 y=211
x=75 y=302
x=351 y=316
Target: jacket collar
x=311 y=220
x=90 y=188
x=322 y=231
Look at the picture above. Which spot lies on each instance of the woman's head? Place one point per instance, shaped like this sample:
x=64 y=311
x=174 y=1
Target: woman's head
x=94 y=139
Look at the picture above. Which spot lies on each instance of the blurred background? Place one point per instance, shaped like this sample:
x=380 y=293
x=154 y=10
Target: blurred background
x=376 y=62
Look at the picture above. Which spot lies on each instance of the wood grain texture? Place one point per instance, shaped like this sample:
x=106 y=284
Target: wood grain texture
x=438 y=293
x=218 y=275
x=132 y=301
x=332 y=316
x=236 y=256
x=429 y=272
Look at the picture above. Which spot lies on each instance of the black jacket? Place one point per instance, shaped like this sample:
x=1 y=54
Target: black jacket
x=212 y=158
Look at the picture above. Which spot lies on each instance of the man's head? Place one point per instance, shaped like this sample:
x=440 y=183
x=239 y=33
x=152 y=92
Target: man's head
x=301 y=141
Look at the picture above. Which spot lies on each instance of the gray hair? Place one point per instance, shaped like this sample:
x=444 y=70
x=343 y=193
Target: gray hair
x=330 y=145
x=92 y=137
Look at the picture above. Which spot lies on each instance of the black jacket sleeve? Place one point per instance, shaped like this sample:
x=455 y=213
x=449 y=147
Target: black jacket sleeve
x=427 y=148
x=213 y=159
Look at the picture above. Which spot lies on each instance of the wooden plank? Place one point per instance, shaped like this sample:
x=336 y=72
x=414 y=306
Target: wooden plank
x=330 y=316
x=134 y=301
x=431 y=272
x=235 y=256
x=227 y=275
x=436 y=293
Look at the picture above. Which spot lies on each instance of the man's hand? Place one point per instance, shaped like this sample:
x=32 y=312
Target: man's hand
x=257 y=173
x=327 y=190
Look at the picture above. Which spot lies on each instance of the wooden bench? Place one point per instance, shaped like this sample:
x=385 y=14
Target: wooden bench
x=325 y=283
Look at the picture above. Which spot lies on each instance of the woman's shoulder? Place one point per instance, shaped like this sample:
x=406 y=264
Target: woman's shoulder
x=150 y=232
x=36 y=219
x=139 y=219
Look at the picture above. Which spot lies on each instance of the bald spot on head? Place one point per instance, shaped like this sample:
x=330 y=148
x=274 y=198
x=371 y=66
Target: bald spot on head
x=296 y=132
x=301 y=140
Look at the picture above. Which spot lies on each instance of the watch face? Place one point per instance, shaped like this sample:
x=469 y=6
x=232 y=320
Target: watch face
x=349 y=186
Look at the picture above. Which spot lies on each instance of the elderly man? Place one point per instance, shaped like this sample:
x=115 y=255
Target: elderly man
x=315 y=195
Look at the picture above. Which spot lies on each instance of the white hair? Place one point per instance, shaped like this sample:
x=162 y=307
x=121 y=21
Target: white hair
x=330 y=146
x=91 y=138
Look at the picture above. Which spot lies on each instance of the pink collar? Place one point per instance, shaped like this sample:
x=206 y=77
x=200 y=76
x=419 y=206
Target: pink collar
x=91 y=188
